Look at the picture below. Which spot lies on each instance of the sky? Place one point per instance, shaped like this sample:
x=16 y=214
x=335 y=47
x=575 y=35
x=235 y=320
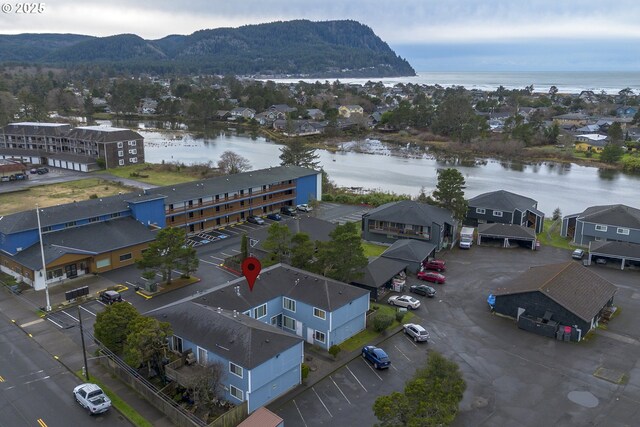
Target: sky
x=434 y=35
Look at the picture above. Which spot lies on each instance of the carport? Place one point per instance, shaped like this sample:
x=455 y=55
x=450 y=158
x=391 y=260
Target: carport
x=412 y=252
x=508 y=234
x=626 y=253
x=378 y=275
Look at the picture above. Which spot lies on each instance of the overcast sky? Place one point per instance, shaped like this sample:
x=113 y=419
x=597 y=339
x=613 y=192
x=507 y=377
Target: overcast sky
x=438 y=35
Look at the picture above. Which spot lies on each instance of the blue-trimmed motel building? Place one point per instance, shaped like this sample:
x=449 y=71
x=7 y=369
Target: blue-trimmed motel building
x=258 y=335
x=98 y=235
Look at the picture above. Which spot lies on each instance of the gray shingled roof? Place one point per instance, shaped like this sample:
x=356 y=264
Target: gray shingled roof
x=576 y=288
x=618 y=215
x=244 y=341
x=615 y=249
x=283 y=280
x=380 y=271
x=317 y=229
x=113 y=235
x=409 y=250
x=103 y=134
x=410 y=212
x=510 y=231
x=502 y=200
x=38 y=129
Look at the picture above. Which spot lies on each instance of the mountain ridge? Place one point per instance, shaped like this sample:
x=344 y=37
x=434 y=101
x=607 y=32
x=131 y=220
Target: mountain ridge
x=343 y=48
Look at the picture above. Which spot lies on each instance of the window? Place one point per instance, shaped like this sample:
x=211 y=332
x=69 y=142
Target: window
x=119 y=144
x=236 y=392
x=120 y=153
x=132 y=143
x=321 y=314
x=121 y=162
x=133 y=151
x=133 y=160
x=45 y=229
x=288 y=304
x=259 y=312
x=601 y=227
x=115 y=215
x=480 y=210
x=624 y=231
x=289 y=323
x=70 y=224
x=319 y=336
x=235 y=369
x=101 y=263
x=125 y=257
x=497 y=213
x=94 y=219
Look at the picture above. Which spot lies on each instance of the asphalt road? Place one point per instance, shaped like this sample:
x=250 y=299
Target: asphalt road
x=36 y=390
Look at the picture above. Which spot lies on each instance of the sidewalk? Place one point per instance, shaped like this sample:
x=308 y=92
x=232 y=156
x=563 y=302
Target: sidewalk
x=23 y=311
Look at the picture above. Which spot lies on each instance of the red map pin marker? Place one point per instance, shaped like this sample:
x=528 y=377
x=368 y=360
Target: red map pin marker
x=250 y=269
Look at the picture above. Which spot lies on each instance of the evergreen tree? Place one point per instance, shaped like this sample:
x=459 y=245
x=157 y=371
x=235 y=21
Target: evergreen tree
x=449 y=192
x=297 y=153
x=169 y=252
x=302 y=251
x=342 y=258
x=611 y=153
x=277 y=243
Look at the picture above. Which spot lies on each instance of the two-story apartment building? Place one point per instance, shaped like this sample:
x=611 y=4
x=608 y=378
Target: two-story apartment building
x=409 y=220
x=60 y=145
x=619 y=223
x=506 y=208
x=322 y=311
x=258 y=362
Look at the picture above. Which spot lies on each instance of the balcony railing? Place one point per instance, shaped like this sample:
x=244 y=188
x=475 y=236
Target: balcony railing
x=400 y=232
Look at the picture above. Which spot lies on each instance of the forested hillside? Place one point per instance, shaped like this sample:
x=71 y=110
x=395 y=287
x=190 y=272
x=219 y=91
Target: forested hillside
x=316 y=49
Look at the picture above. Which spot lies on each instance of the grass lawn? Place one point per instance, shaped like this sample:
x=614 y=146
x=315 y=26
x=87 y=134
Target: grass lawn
x=57 y=194
x=129 y=413
x=365 y=337
x=151 y=175
x=551 y=236
x=373 y=250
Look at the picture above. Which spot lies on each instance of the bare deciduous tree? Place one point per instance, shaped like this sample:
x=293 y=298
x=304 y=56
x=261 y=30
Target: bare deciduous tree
x=231 y=163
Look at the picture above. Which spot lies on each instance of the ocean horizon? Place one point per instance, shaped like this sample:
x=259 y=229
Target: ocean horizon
x=568 y=82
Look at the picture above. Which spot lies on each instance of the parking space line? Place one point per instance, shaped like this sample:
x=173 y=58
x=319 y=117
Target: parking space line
x=58 y=325
x=70 y=315
x=325 y=406
x=209 y=262
x=225 y=254
x=235 y=250
x=372 y=370
x=340 y=390
x=299 y=413
x=405 y=356
x=410 y=340
x=88 y=311
x=215 y=257
x=354 y=376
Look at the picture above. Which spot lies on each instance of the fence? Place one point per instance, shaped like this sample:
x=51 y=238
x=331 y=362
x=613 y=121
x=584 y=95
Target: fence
x=232 y=417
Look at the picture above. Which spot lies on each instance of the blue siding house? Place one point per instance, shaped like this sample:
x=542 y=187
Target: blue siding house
x=322 y=311
x=618 y=223
x=257 y=362
x=504 y=207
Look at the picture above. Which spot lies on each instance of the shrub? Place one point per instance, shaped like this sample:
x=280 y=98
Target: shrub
x=305 y=371
x=93 y=196
x=334 y=350
x=400 y=315
x=382 y=321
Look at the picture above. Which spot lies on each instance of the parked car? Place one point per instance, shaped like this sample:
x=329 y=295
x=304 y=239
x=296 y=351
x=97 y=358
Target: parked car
x=274 y=216
x=601 y=260
x=288 y=210
x=42 y=171
x=255 y=220
x=432 y=276
x=21 y=176
x=417 y=332
x=5 y=179
x=92 y=398
x=424 y=290
x=33 y=171
x=406 y=301
x=304 y=208
x=109 y=297
x=434 y=264
x=376 y=356
x=578 y=254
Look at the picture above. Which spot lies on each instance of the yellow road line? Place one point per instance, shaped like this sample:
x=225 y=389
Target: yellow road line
x=143 y=295
x=42 y=423
x=1 y=379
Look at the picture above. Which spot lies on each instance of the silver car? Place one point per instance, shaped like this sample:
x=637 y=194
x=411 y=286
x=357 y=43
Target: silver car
x=92 y=398
x=406 y=301
x=417 y=332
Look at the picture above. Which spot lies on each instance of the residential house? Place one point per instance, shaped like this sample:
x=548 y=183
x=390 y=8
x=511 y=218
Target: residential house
x=626 y=111
x=242 y=113
x=594 y=142
x=410 y=220
x=619 y=223
x=349 y=110
x=279 y=111
x=259 y=363
x=578 y=119
x=298 y=127
x=568 y=294
x=506 y=208
x=315 y=114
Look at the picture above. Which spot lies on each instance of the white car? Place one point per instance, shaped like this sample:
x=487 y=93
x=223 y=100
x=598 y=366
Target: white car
x=404 y=301
x=92 y=398
x=417 y=332
x=304 y=208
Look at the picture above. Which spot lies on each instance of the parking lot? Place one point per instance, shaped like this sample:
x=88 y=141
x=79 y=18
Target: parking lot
x=513 y=377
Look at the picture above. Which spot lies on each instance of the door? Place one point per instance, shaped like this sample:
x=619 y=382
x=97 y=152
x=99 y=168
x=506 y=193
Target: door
x=71 y=270
x=298 y=328
x=202 y=356
x=310 y=335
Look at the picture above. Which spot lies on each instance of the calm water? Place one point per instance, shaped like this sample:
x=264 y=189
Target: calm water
x=566 y=82
x=570 y=187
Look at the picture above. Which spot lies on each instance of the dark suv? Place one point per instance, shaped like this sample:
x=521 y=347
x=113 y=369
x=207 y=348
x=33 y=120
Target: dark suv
x=109 y=297
x=288 y=210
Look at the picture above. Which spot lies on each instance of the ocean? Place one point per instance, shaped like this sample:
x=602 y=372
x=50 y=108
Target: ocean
x=569 y=82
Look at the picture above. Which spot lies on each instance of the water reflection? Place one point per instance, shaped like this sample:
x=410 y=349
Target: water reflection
x=608 y=174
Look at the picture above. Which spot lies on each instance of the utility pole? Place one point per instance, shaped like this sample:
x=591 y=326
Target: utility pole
x=44 y=264
x=84 y=350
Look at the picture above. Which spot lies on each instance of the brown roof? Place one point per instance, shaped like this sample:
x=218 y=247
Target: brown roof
x=570 y=284
x=262 y=417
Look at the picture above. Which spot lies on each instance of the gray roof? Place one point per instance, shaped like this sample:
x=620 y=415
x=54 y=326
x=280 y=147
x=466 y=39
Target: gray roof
x=103 y=134
x=576 y=288
x=283 y=280
x=37 y=129
x=618 y=215
x=409 y=250
x=502 y=200
x=113 y=235
x=244 y=341
x=510 y=231
x=317 y=229
x=615 y=249
x=380 y=271
x=410 y=212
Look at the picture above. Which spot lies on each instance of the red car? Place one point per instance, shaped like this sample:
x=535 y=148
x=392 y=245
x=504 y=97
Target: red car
x=432 y=276
x=434 y=264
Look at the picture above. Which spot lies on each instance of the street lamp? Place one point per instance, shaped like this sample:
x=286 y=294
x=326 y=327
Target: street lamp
x=44 y=265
